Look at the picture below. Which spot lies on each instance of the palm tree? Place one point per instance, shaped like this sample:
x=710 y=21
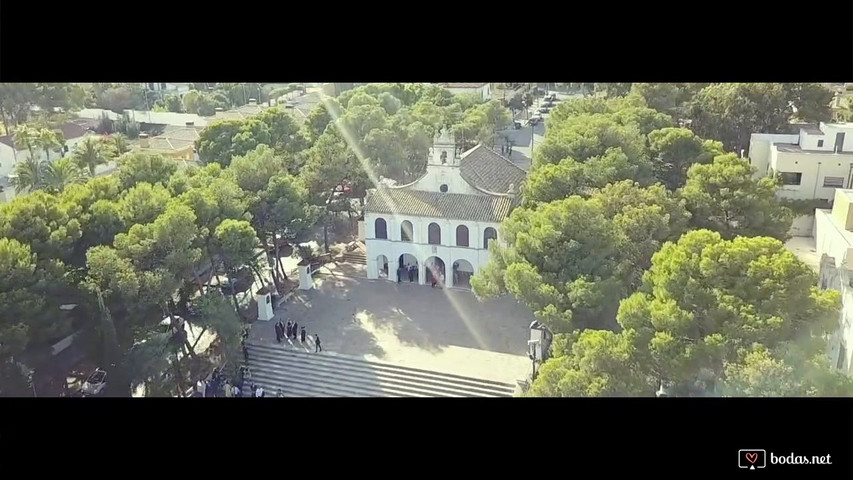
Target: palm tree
x=47 y=140
x=60 y=174
x=120 y=144
x=25 y=137
x=89 y=154
x=29 y=175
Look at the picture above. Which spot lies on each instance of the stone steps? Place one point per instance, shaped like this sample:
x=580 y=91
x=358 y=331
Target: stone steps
x=355 y=257
x=325 y=374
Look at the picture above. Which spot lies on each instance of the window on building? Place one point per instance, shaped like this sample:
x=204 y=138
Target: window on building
x=461 y=236
x=150 y=86
x=819 y=143
x=443 y=158
x=842 y=356
x=406 y=232
x=162 y=86
x=791 y=178
x=381 y=228
x=434 y=234
x=488 y=235
x=443 y=188
x=836 y=182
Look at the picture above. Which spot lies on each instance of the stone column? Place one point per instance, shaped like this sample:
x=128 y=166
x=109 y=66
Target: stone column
x=422 y=269
x=306 y=282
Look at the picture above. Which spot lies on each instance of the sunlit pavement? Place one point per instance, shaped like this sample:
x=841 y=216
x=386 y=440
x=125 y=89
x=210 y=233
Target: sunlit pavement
x=441 y=330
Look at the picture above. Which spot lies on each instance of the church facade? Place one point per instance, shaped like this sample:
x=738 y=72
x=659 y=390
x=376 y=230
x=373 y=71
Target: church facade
x=441 y=225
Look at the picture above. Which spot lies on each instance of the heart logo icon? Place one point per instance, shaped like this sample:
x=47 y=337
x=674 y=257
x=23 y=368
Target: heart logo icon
x=752 y=457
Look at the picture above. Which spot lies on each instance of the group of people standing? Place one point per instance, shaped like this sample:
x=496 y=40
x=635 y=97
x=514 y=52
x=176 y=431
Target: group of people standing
x=407 y=270
x=290 y=329
x=218 y=385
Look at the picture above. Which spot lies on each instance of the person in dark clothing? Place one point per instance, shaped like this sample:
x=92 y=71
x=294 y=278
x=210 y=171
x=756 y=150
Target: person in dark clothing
x=433 y=281
x=245 y=352
x=278 y=332
x=254 y=391
x=411 y=273
x=317 y=346
x=288 y=329
x=294 y=330
x=399 y=274
x=302 y=334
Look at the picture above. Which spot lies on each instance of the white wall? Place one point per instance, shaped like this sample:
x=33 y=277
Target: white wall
x=9 y=158
x=815 y=167
x=420 y=248
x=484 y=91
x=759 y=149
x=834 y=246
x=803 y=226
x=436 y=176
x=809 y=141
x=170 y=87
x=162 y=118
x=831 y=129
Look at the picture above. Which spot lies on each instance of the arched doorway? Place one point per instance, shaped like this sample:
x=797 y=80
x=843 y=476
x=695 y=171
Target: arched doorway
x=462 y=272
x=407 y=268
x=435 y=270
x=382 y=266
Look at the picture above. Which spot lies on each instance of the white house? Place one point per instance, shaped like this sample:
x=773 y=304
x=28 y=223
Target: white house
x=72 y=132
x=834 y=246
x=812 y=164
x=146 y=116
x=484 y=90
x=444 y=221
x=176 y=119
x=168 y=88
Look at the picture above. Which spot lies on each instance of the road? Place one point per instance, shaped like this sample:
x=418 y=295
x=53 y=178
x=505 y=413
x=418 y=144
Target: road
x=528 y=136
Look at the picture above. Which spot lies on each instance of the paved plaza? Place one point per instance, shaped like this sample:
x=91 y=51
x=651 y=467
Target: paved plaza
x=443 y=330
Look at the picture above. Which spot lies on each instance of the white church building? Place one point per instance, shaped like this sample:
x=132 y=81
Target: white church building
x=441 y=224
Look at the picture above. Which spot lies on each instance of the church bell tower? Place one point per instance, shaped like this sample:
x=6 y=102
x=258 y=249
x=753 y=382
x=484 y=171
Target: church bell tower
x=443 y=151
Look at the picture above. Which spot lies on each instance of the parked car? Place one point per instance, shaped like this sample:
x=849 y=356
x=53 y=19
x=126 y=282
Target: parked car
x=534 y=120
x=543 y=110
x=515 y=125
x=96 y=383
x=546 y=103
